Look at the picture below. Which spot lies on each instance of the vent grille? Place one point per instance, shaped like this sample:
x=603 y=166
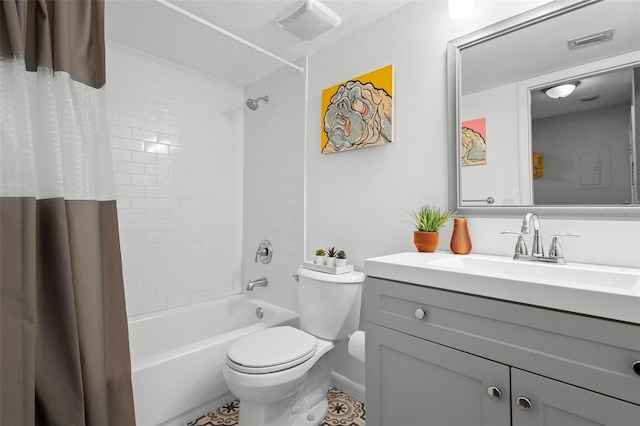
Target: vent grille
x=587 y=40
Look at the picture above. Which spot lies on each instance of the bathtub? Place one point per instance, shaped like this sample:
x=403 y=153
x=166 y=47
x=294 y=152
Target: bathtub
x=177 y=355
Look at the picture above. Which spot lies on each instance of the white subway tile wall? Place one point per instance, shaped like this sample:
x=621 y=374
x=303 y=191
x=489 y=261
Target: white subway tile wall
x=274 y=185
x=177 y=145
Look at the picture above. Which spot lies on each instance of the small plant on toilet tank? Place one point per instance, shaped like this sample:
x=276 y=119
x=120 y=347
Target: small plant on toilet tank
x=320 y=253
x=331 y=256
x=341 y=258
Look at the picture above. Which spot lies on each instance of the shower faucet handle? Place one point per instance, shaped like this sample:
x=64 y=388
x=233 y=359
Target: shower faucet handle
x=264 y=252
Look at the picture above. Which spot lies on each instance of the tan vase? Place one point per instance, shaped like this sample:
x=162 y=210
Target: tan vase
x=426 y=241
x=460 y=238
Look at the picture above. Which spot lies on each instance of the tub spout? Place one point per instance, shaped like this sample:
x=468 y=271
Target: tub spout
x=260 y=282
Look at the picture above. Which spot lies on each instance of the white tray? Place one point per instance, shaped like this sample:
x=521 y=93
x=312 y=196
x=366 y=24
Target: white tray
x=335 y=270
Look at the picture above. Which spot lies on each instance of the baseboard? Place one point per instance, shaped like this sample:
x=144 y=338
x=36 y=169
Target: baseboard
x=348 y=386
x=200 y=411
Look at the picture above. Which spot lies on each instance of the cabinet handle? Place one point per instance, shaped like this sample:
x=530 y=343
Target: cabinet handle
x=419 y=313
x=524 y=403
x=494 y=393
x=636 y=367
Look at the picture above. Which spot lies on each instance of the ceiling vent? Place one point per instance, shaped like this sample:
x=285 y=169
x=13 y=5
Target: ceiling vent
x=577 y=42
x=589 y=98
x=309 y=20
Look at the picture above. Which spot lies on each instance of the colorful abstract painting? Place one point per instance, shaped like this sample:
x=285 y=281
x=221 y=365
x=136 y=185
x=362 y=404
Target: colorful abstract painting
x=537 y=163
x=358 y=113
x=473 y=142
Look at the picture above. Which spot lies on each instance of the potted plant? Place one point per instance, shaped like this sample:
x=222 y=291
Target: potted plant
x=331 y=256
x=341 y=258
x=428 y=220
x=320 y=256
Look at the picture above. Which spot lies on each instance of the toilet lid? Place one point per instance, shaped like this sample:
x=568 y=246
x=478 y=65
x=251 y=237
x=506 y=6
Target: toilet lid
x=271 y=349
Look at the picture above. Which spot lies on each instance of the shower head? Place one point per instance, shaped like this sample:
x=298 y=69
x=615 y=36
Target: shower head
x=253 y=103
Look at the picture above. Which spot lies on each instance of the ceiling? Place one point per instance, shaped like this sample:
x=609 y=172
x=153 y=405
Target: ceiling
x=152 y=28
x=542 y=48
x=597 y=91
x=514 y=57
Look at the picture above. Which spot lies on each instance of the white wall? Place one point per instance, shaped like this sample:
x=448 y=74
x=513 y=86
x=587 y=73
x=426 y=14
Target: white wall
x=602 y=242
x=499 y=177
x=562 y=139
x=177 y=139
x=360 y=200
x=274 y=185
x=368 y=216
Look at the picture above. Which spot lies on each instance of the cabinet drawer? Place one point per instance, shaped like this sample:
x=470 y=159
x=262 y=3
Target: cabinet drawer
x=587 y=352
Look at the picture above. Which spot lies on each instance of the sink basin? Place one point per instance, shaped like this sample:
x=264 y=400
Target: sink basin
x=603 y=291
x=570 y=274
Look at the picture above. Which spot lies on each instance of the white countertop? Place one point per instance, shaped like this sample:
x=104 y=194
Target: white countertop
x=602 y=291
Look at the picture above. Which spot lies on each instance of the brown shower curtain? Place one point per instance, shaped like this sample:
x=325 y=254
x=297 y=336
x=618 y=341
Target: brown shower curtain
x=64 y=348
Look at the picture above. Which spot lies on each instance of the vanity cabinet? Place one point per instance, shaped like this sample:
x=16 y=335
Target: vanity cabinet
x=437 y=357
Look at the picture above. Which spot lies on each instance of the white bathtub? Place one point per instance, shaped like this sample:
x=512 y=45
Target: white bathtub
x=177 y=355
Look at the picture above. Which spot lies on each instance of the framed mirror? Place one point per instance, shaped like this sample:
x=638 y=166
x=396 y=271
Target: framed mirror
x=516 y=145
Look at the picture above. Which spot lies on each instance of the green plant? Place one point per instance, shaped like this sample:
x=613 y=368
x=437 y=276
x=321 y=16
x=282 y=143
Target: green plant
x=341 y=254
x=430 y=219
x=331 y=252
x=320 y=252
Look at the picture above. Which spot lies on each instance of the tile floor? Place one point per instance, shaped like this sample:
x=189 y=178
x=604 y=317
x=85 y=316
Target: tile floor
x=343 y=411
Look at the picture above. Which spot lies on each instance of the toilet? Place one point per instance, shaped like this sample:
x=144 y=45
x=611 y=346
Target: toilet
x=281 y=374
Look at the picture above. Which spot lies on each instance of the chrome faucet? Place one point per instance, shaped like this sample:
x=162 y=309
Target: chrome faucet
x=260 y=282
x=536 y=249
x=556 y=253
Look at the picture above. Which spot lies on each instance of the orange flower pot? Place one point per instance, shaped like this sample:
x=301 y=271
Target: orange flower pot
x=426 y=242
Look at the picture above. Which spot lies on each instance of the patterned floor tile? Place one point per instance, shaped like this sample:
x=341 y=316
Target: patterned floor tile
x=226 y=415
x=343 y=411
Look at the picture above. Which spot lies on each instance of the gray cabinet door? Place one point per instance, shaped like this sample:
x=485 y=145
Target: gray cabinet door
x=414 y=382
x=554 y=403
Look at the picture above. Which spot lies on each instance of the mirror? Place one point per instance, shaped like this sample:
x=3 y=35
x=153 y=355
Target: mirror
x=513 y=147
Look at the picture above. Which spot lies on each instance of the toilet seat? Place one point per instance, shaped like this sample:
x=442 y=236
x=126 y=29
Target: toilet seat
x=271 y=350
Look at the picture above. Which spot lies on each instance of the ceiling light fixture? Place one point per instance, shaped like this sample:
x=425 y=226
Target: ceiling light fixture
x=561 y=91
x=309 y=20
x=460 y=9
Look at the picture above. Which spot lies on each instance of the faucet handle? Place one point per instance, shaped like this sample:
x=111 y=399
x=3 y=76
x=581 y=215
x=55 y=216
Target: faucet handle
x=555 y=250
x=521 y=247
x=264 y=252
x=566 y=235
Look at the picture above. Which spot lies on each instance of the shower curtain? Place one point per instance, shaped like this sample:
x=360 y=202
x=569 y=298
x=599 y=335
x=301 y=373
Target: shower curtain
x=64 y=351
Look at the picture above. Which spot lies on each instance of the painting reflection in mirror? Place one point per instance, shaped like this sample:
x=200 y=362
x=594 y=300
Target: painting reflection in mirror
x=473 y=142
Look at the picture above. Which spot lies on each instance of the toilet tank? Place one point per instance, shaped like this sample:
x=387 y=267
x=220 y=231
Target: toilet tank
x=329 y=304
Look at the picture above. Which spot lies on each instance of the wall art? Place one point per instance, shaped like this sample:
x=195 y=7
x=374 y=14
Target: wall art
x=358 y=113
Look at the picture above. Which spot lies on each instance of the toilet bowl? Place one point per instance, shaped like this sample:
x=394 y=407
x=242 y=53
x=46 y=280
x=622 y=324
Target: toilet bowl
x=281 y=375
x=277 y=392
